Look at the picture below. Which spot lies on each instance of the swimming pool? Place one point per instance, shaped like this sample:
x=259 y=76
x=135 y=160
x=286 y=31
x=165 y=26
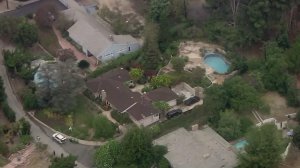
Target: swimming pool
x=217 y=62
x=240 y=145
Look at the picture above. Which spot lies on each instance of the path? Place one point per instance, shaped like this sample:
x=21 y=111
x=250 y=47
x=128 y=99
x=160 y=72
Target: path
x=18 y=108
x=79 y=55
x=19 y=158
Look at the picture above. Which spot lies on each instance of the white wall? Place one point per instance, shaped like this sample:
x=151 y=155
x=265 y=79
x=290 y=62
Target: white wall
x=172 y=103
x=115 y=50
x=146 y=121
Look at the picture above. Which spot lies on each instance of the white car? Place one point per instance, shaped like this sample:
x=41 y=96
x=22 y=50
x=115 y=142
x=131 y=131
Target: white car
x=59 y=138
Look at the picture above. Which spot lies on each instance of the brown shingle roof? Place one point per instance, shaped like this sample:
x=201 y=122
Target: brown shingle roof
x=162 y=94
x=120 y=96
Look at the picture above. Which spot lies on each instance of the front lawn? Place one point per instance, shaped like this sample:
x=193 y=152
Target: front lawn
x=84 y=119
x=49 y=41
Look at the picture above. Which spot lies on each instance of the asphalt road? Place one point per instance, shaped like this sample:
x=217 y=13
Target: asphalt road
x=33 y=7
x=84 y=153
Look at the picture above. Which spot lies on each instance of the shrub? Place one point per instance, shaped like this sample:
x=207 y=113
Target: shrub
x=122 y=61
x=178 y=63
x=121 y=118
x=24 y=127
x=83 y=64
x=30 y=100
x=25 y=139
x=103 y=128
x=8 y=112
x=3 y=149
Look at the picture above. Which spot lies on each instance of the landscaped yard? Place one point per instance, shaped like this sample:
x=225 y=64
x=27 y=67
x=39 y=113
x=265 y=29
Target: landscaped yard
x=48 y=40
x=84 y=119
x=37 y=52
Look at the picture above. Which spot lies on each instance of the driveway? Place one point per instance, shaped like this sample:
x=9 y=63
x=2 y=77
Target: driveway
x=45 y=136
x=33 y=7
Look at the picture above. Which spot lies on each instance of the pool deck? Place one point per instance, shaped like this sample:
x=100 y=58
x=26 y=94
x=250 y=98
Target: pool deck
x=194 y=51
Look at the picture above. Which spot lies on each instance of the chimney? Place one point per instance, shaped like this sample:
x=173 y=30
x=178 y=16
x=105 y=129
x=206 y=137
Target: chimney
x=103 y=95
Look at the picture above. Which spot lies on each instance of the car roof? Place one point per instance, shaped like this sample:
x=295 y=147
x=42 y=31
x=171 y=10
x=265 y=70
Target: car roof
x=59 y=136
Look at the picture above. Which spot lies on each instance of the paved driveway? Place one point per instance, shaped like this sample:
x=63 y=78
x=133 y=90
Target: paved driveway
x=84 y=152
x=33 y=7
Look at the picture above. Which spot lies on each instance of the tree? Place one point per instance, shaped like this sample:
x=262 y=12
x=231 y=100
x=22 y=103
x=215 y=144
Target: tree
x=151 y=53
x=162 y=105
x=293 y=58
x=2 y=91
x=26 y=34
x=3 y=149
x=103 y=128
x=137 y=148
x=229 y=126
x=178 y=63
x=161 y=81
x=18 y=60
x=63 y=162
x=24 y=127
x=83 y=64
x=265 y=145
x=136 y=74
x=107 y=155
x=241 y=96
x=159 y=10
x=8 y=27
x=57 y=85
x=296 y=136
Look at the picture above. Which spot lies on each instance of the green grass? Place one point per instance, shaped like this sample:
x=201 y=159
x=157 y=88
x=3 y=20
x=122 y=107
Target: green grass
x=38 y=53
x=83 y=116
x=49 y=41
x=195 y=116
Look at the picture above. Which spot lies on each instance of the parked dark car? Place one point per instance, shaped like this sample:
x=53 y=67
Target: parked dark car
x=191 y=100
x=173 y=113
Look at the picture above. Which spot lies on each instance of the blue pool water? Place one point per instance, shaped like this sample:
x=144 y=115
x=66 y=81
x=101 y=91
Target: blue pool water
x=240 y=145
x=216 y=62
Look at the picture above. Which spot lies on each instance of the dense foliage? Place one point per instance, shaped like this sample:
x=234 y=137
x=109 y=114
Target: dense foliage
x=134 y=150
x=63 y=162
x=103 y=128
x=264 y=148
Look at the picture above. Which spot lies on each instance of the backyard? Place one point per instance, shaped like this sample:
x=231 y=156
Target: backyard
x=85 y=121
x=49 y=40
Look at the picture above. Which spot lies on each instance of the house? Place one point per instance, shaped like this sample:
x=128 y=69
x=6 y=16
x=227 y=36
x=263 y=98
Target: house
x=163 y=94
x=199 y=148
x=111 y=88
x=94 y=35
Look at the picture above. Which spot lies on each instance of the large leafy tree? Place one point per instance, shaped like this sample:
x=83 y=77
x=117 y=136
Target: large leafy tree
x=241 y=96
x=138 y=148
x=159 y=10
x=107 y=155
x=136 y=73
x=57 y=86
x=26 y=34
x=229 y=125
x=161 y=81
x=151 y=53
x=265 y=145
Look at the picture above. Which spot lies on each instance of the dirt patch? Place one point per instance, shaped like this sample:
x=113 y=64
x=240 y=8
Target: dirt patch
x=293 y=159
x=38 y=159
x=124 y=6
x=278 y=106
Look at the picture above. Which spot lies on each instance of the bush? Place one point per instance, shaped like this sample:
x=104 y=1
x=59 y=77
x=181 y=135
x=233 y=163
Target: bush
x=8 y=112
x=25 y=139
x=103 y=128
x=121 y=118
x=178 y=63
x=83 y=64
x=3 y=149
x=30 y=100
x=122 y=61
x=24 y=127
